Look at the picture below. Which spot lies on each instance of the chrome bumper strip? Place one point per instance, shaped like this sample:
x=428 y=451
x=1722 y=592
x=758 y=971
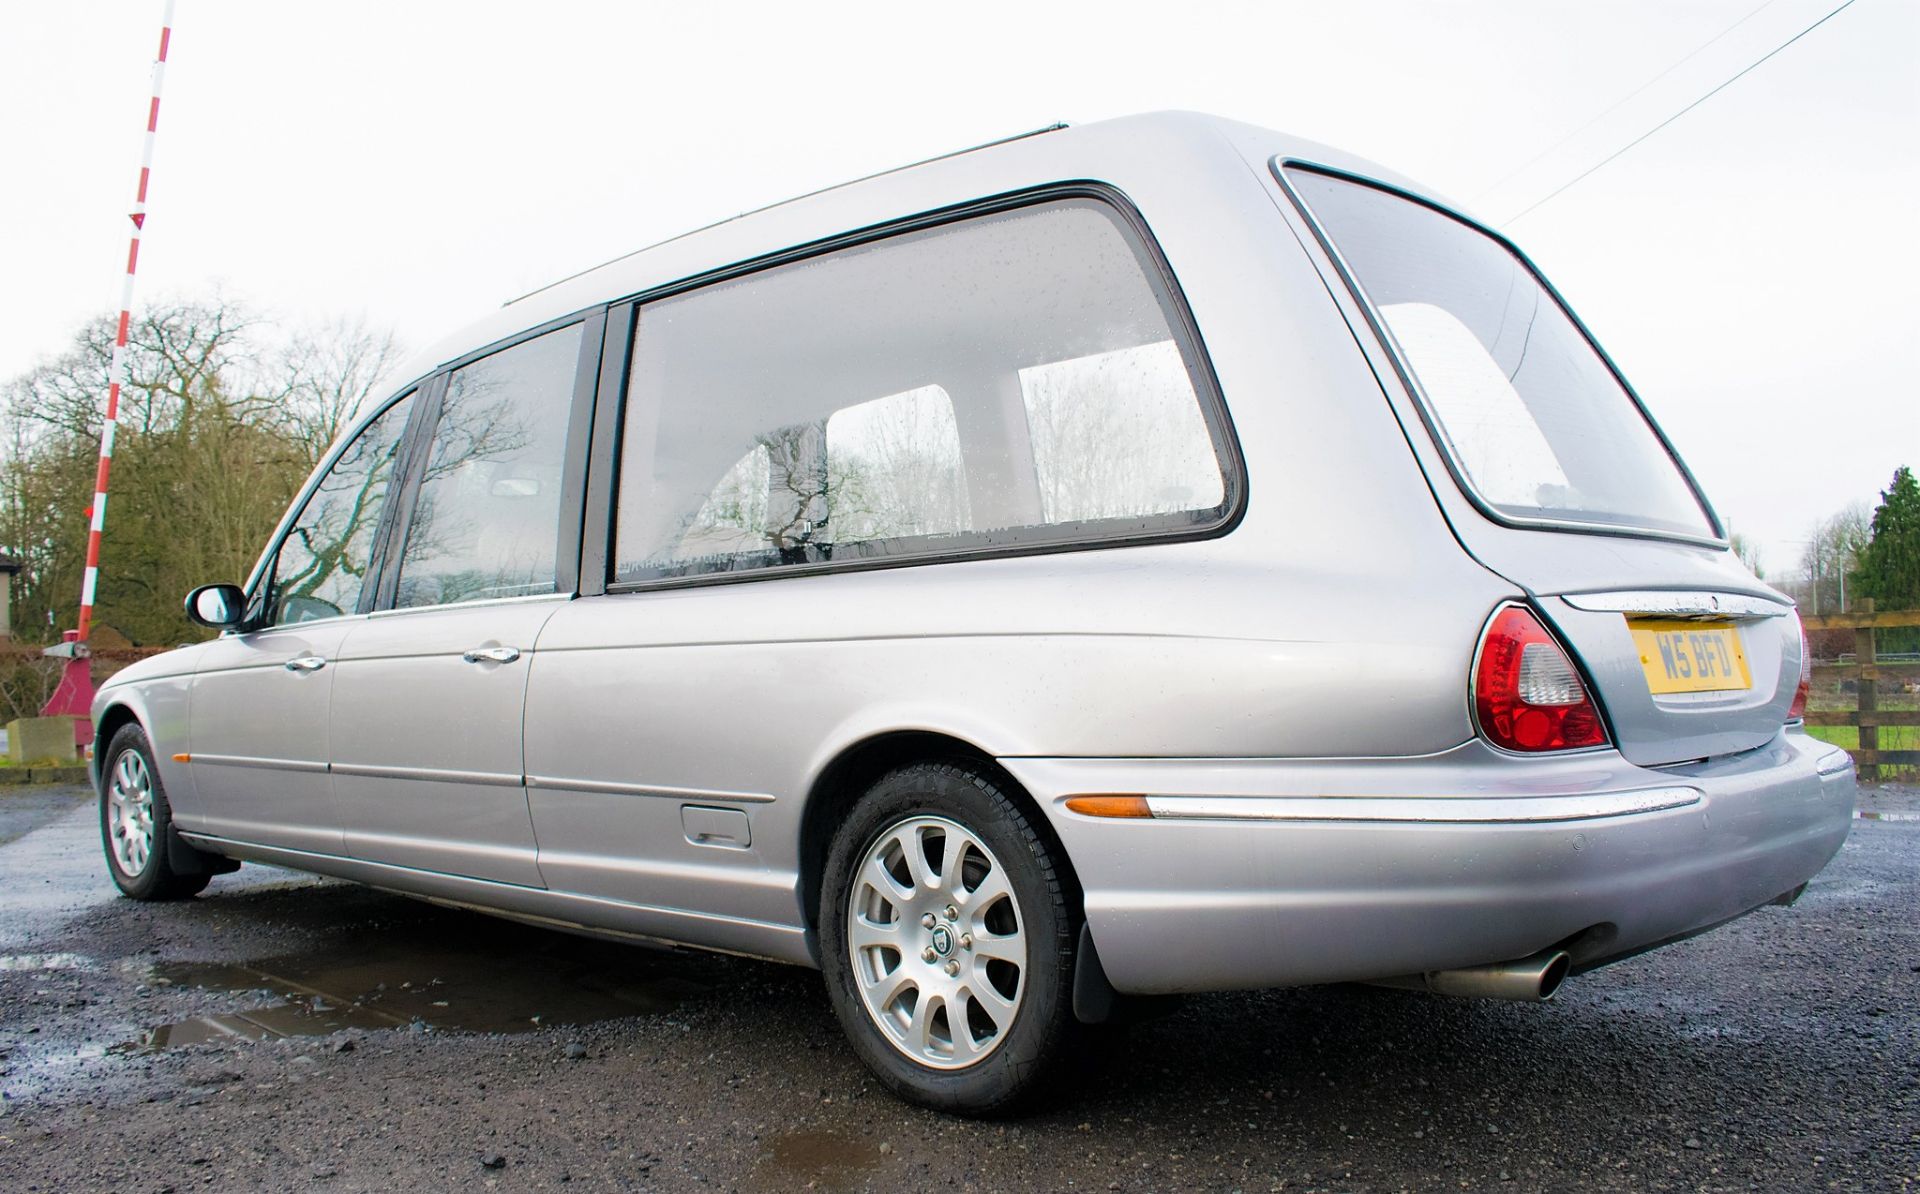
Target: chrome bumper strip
x=1444 y=810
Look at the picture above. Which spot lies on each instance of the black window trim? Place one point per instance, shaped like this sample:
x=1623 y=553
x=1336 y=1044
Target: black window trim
x=567 y=529
x=603 y=455
x=413 y=454
x=260 y=580
x=608 y=428
x=1281 y=163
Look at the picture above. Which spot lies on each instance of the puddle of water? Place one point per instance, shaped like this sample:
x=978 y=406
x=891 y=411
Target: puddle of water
x=820 y=1157
x=502 y=980
x=260 y=1024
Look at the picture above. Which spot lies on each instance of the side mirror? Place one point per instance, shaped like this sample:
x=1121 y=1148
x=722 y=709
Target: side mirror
x=220 y=606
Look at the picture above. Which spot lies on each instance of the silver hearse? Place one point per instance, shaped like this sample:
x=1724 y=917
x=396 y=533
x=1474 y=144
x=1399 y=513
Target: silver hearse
x=1149 y=557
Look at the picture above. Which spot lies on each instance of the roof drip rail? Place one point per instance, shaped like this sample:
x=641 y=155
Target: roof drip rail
x=939 y=157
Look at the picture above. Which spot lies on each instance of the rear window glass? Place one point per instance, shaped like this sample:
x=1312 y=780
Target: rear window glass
x=1526 y=408
x=1011 y=379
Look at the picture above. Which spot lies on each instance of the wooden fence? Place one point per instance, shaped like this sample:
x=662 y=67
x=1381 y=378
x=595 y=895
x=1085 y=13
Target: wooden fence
x=1867 y=672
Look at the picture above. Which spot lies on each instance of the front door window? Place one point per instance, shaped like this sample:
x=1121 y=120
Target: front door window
x=322 y=563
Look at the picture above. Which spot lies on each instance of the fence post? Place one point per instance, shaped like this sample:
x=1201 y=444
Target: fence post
x=1868 y=696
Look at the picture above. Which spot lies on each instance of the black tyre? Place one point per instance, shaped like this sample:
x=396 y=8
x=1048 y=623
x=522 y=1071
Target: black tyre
x=136 y=823
x=948 y=925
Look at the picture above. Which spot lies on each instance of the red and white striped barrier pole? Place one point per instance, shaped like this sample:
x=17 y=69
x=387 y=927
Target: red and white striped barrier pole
x=75 y=692
x=117 y=371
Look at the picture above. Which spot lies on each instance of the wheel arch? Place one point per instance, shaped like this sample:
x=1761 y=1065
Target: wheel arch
x=162 y=717
x=110 y=722
x=857 y=766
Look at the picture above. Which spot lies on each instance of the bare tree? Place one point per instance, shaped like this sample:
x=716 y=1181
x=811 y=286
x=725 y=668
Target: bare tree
x=1832 y=555
x=331 y=371
x=177 y=355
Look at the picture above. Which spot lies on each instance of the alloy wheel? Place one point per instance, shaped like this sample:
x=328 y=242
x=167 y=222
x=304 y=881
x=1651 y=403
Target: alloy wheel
x=130 y=812
x=938 y=942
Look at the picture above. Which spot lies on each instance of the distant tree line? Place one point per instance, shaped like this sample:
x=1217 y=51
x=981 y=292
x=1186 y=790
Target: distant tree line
x=221 y=418
x=1857 y=553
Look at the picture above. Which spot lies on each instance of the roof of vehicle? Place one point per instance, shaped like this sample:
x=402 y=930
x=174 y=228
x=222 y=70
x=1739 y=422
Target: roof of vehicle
x=1051 y=128
x=1107 y=151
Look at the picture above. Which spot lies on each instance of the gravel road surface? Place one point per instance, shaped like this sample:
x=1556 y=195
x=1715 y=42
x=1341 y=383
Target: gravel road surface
x=282 y=1032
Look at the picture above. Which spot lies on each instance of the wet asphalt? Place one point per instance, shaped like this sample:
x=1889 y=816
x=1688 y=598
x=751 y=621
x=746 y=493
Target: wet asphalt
x=283 y=1032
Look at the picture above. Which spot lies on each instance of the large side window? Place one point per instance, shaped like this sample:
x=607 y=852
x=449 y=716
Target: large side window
x=322 y=563
x=487 y=520
x=1008 y=379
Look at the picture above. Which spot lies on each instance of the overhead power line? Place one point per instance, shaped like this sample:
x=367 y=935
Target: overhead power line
x=1497 y=183
x=1748 y=69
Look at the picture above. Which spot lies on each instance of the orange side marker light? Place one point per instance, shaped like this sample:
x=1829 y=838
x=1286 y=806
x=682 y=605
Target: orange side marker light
x=1109 y=806
x=183 y=758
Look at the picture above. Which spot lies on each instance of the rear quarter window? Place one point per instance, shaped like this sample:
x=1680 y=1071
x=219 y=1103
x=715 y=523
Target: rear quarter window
x=1530 y=415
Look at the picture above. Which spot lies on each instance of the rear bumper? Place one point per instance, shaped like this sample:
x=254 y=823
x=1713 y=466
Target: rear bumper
x=1262 y=873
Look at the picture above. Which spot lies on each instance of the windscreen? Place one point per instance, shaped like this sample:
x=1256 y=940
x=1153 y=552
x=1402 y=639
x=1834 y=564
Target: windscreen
x=1520 y=400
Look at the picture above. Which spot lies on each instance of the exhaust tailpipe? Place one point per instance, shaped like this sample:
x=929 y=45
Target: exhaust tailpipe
x=1529 y=980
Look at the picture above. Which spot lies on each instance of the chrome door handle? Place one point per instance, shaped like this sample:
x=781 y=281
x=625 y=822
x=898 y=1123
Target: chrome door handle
x=306 y=663
x=491 y=655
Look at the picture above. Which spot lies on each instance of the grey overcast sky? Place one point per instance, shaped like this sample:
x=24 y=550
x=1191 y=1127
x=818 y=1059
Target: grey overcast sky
x=1754 y=267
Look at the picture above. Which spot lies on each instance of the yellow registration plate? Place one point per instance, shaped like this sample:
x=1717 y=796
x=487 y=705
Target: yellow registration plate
x=1690 y=656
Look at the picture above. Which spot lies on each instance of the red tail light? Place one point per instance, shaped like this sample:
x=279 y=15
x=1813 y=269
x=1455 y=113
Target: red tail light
x=1527 y=692
x=1798 y=709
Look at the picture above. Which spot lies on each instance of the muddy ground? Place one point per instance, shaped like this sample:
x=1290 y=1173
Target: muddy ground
x=283 y=1032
